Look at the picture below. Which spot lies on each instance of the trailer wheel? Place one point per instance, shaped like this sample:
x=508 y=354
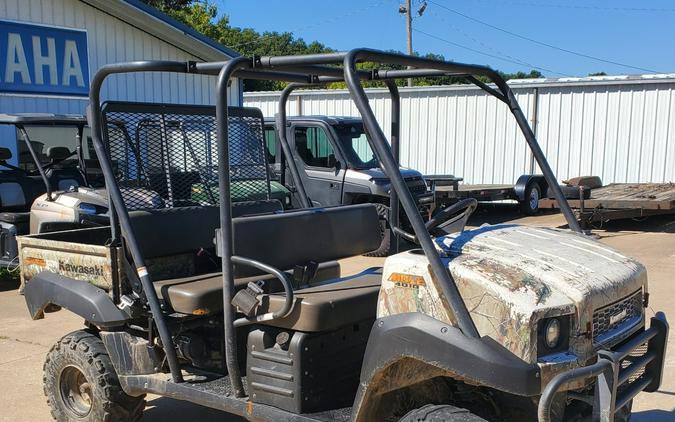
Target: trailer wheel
x=81 y=384
x=530 y=204
x=440 y=413
x=385 y=231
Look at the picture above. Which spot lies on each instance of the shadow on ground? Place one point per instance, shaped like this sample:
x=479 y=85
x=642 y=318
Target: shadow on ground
x=653 y=224
x=9 y=281
x=498 y=213
x=164 y=409
x=653 y=416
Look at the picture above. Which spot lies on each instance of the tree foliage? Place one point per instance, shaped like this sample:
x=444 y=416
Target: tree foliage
x=203 y=17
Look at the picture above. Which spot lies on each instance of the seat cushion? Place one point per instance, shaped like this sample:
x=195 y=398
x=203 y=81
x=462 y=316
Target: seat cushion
x=332 y=305
x=203 y=294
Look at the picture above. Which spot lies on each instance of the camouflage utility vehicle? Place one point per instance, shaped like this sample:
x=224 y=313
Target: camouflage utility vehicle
x=245 y=310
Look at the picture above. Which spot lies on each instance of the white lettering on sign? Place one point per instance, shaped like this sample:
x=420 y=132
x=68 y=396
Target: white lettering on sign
x=71 y=65
x=49 y=60
x=43 y=59
x=16 y=60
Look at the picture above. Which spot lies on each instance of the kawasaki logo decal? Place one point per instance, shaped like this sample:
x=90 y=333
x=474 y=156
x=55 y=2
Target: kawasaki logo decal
x=81 y=269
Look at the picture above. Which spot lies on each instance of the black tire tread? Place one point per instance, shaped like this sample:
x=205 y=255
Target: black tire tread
x=440 y=412
x=116 y=405
x=384 y=249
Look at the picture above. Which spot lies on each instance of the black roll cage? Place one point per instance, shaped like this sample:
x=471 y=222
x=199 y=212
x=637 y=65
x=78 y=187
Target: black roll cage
x=306 y=69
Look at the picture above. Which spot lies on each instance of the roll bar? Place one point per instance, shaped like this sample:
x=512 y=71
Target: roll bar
x=305 y=69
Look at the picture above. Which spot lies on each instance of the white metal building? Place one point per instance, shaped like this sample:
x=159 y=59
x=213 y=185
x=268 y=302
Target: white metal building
x=620 y=128
x=50 y=50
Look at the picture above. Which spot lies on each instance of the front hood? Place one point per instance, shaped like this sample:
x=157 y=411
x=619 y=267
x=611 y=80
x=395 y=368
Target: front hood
x=135 y=198
x=378 y=173
x=520 y=274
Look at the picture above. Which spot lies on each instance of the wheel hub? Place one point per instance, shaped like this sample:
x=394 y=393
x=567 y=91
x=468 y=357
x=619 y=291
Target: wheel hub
x=75 y=391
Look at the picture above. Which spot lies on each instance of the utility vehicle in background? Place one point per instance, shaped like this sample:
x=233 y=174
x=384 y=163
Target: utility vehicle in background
x=338 y=167
x=47 y=188
x=498 y=323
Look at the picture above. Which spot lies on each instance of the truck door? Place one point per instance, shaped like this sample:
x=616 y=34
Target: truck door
x=321 y=167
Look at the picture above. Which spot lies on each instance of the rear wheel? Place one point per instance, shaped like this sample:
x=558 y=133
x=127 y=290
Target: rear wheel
x=530 y=204
x=440 y=413
x=385 y=231
x=81 y=384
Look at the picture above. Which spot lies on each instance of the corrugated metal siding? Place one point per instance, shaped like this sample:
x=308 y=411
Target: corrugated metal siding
x=110 y=40
x=623 y=132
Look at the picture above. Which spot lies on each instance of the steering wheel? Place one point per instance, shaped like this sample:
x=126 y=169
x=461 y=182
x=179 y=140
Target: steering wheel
x=450 y=220
x=453 y=218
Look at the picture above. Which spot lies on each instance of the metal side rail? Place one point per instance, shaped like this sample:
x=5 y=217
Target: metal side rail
x=617 y=373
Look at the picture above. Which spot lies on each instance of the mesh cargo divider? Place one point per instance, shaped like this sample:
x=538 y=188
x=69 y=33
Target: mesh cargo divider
x=166 y=156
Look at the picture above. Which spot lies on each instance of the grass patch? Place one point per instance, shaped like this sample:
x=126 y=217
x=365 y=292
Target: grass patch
x=6 y=275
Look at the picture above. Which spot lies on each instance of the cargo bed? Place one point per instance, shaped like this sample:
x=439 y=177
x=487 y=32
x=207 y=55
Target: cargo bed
x=81 y=254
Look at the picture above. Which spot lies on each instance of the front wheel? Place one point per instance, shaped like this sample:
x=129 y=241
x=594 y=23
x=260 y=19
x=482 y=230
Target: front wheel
x=81 y=384
x=440 y=413
x=385 y=231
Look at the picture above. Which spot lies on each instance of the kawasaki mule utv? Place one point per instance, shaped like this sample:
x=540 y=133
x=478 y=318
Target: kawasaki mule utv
x=497 y=323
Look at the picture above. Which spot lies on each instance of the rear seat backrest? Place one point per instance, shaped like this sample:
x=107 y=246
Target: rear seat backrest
x=171 y=231
x=281 y=240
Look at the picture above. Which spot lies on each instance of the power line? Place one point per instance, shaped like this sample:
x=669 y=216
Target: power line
x=500 y=53
x=506 y=31
x=585 y=7
x=484 y=53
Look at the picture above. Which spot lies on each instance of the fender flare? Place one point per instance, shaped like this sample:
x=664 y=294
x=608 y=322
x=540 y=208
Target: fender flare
x=520 y=188
x=418 y=338
x=84 y=299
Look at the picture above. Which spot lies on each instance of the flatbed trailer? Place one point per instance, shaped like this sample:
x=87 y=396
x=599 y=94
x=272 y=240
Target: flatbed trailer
x=527 y=191
x=620 y=201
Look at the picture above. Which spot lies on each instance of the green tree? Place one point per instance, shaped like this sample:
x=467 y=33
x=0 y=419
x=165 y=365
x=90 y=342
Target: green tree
x=203 y=17
x=166 y=5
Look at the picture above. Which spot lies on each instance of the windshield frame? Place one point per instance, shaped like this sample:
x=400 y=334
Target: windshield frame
x=347 y=150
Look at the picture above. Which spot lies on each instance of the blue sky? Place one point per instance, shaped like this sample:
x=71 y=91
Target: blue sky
x=636 y=33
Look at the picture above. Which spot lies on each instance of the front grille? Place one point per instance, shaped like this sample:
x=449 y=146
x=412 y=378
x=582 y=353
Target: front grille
x=416 y=185
x=612 y=320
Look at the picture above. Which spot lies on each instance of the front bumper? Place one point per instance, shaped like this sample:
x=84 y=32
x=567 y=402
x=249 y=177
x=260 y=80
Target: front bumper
x=620 y=374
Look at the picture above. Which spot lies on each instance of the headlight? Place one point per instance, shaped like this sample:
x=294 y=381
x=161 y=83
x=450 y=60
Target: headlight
x=91 y=209
x=552 y=333
x=380 y=180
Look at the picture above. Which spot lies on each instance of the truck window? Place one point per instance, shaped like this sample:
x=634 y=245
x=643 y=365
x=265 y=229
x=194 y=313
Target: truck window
x=271 y=144
x=314 y=147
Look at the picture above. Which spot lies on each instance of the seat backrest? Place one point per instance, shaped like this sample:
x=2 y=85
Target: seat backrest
x=18 y=191
x=63 y=178
x=281 y=240
x=296 y=238
x=171 y=231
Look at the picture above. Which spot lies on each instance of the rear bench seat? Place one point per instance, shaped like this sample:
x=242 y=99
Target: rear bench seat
x=281 y=240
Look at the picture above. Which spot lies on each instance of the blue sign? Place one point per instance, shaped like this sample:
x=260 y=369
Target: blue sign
x=43 y=59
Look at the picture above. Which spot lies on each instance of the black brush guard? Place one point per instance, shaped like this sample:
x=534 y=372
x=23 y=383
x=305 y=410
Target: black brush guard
x=617 y=373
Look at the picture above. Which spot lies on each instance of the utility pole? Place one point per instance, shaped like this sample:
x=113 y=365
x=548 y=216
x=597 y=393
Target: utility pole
x=408 y=26
x=407 y=9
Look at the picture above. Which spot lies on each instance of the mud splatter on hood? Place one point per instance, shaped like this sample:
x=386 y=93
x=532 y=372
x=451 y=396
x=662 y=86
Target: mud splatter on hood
x=544 y=267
